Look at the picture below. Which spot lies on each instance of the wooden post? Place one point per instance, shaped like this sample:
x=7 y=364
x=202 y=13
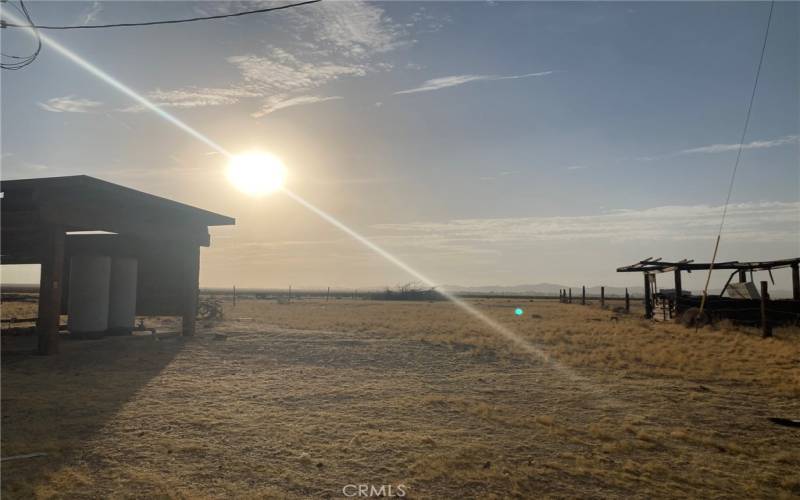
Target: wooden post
x=766 y=328
x=328 y=295
x=627 y=301
x=191 y=290
x=583 y=295
x=234 y=295
x=50 y=289
x=602 y=297
x=795 y=281
x=742 y=276
x=648 y=305
x=678 y=293
x=569 y=300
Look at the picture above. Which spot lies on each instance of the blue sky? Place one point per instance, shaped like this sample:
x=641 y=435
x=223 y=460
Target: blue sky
x=484 y=143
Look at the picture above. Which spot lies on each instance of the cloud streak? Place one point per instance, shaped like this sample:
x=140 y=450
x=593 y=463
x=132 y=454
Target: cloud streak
x=69 y=104
x=92 y=14
x=455 y=80
x=276 y=103
x=764 y=221
x=726 y=148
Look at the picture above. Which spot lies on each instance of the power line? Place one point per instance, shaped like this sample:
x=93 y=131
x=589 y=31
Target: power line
x=20 y=62
x=4 y=24
x=738 y=154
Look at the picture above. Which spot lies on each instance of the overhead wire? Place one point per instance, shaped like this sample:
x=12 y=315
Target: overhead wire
x=20 y=62
x=738 y=157
x=4 y=24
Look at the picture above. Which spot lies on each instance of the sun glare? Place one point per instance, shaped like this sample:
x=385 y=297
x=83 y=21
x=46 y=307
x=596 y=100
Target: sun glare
x=257 y=173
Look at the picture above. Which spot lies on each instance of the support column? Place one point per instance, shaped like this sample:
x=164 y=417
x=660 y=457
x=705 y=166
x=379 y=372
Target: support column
x=766 y=327
x=627 y=301
x=50 y=289
x=742 y=276
x=602 y=297
x=583 y=295
x=648 y=304
x=795 y=281
x=191 y=290
x=678 y=293
x=569 y=300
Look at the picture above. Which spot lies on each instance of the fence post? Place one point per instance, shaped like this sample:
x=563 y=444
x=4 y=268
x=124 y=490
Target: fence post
x=569 y=301
x=602 y=297
x=583 y=295
x=766 y=328
x=328 y=295
x=234 y=295
x=627 y=301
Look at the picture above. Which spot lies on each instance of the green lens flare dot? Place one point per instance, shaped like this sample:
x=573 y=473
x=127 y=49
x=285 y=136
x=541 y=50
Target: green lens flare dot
x=518 y=311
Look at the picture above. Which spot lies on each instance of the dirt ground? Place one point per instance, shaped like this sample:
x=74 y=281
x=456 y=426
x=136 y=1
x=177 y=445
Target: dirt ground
x=300 y=400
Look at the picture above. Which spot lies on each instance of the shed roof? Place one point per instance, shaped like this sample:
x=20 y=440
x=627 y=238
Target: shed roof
x=83 y=203
x=651 y=265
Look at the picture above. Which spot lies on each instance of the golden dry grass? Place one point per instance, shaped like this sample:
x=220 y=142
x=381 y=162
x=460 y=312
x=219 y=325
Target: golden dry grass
x=302 y=399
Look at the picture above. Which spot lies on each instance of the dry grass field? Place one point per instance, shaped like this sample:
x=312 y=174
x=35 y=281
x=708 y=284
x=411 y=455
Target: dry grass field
x=298 y=400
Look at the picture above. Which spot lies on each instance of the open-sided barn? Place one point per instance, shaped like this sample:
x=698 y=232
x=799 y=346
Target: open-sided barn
x=107 y=252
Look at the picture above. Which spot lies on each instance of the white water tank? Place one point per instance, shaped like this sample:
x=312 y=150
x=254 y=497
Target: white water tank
x=89 y=279
x=122 y=294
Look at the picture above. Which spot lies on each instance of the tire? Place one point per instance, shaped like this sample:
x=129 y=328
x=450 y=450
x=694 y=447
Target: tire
x=692 y=317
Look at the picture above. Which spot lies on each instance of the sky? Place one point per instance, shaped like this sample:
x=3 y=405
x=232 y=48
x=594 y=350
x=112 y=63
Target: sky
x=483 y=143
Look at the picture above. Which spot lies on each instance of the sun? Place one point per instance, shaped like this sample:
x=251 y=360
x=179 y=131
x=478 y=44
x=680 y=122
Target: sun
x=257 y=173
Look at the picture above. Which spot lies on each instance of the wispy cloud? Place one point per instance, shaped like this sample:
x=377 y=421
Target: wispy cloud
x=69 y=104
x=355 y=29
x=332 y=40
x=455 y=80
x=275 y=103
x=280 y=71
x=193 y=97
x=725 y=148
x=92 y=13
x=765 y=221
x=576 y=167
x=273 y=77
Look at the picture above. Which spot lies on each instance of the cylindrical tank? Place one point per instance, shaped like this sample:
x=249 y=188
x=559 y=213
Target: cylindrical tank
x=89 y=279
x=122 y=294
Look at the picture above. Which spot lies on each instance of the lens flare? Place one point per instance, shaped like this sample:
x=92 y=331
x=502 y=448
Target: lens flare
x=518 y=311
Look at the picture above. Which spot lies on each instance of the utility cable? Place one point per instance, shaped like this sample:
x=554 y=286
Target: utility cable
x=738 y=157
x=4 y=24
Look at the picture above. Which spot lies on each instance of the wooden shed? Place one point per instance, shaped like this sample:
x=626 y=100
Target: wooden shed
x=52 y=221
x=744 y=307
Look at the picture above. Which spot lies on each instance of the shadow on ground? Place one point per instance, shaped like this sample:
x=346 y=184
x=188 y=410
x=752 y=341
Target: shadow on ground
x=55 y=404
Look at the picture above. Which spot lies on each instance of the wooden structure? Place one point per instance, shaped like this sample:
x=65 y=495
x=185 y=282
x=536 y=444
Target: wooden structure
x=749 y=310
x=42 y=221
